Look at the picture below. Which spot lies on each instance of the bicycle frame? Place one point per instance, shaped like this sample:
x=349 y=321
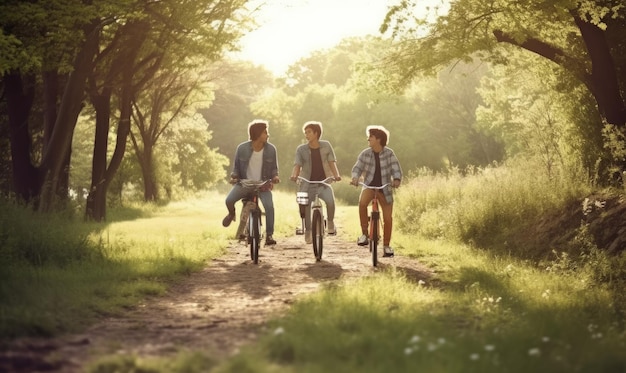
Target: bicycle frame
x=318 y=223
x=252 y=231
x=374 y=222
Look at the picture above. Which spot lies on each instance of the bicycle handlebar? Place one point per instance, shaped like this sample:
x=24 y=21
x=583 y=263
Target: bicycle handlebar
x=325 y=181
x=372 y=187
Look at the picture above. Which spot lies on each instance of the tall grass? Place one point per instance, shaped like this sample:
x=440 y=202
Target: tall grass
x=483 y=206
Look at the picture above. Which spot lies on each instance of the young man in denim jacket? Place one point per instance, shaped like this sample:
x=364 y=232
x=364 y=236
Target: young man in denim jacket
x=255 y=159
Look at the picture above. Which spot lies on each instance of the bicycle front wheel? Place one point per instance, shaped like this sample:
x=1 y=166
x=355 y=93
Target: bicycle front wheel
x=318 y=234
x=255 y=235
x=375 y=228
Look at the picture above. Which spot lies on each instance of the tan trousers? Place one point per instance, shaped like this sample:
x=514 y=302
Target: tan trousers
x=367 y=195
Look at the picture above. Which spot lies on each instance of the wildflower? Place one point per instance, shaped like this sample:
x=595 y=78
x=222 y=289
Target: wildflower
x=432 y=347
x=545 y=339
x=414 y=339
x=592 y=327
x=279 y=330
x=421 y=283
x=490 y=347
x=534 y=352
x=408 y=351
x=546 y=293
x=474 y=356
x=441 y=341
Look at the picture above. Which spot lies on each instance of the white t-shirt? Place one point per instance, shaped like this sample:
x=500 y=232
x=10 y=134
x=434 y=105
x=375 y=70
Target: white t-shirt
x=255 y=165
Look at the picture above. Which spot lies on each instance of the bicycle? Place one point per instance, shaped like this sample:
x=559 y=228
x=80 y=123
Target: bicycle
x=251 y=216
x=374 y=222
x=318 y=223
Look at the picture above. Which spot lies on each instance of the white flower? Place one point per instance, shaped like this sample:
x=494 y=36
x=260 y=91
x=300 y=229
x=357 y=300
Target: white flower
x=474 y=356
x=490 y=347
x=279 y=330
x=545 y=339
x=414 y=339
x=534 y=352
x=408 y=351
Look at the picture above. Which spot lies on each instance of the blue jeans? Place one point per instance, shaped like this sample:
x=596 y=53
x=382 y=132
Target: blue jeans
x=327 y=195
x=238 y=192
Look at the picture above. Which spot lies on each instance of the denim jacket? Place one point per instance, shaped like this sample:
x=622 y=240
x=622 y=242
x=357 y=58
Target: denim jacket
x=303 y=159
x=242 y=158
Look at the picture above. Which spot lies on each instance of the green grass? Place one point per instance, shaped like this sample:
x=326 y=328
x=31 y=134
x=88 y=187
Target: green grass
x=57 y=274
x=481 y=314
x=485 y=309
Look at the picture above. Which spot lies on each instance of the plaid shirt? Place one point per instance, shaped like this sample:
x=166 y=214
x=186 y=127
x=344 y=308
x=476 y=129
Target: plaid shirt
x=389 y=169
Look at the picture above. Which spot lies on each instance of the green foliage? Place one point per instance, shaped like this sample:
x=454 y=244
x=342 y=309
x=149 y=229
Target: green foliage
x=535 y=110
x=484 y=206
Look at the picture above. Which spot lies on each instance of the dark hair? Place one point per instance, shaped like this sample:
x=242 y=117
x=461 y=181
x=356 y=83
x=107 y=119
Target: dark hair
x=315 y=127
x=380 y=133
x=256 y=128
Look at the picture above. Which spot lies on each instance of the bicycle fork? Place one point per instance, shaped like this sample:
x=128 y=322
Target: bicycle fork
x=375 y=220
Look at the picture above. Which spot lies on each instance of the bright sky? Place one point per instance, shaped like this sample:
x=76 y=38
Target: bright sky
x=292 y=29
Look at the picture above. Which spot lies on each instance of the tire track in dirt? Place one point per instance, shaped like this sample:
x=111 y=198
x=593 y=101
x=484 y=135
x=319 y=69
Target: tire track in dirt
x=218 y=309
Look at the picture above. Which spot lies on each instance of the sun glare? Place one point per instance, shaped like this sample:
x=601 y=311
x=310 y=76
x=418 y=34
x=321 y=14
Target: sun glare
x=290 y=30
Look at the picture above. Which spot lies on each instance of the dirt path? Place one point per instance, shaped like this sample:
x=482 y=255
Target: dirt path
x=218 y=309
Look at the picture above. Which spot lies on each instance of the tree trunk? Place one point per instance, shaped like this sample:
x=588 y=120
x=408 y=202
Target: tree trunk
x=150 y=193
x=96 y=200
x=604 y=84
x=124 y=63
x=50 y=103
x=20 y=92
x=53 y=164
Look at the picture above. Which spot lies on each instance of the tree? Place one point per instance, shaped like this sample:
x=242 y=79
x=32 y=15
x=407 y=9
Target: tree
x=237 y=85
x=115 y=46
x=169 y=96
x=579 y=36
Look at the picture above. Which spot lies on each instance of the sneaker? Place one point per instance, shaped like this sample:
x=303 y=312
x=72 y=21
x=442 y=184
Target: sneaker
x=307 y=237
x=331 y=228
x=387 y=251
x=228 y=219
x=270 y=241
x=362 y=241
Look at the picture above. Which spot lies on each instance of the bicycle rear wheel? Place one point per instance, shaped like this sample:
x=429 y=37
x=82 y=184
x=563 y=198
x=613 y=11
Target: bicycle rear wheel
x=255 y=235
x=318 y=234
x=375 y=226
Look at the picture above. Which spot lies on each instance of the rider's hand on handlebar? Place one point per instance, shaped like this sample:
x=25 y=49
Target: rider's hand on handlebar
x=276 y=179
